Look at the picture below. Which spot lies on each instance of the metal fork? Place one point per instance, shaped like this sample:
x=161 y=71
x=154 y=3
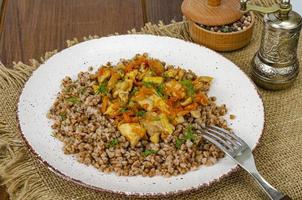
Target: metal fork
x=241 y=153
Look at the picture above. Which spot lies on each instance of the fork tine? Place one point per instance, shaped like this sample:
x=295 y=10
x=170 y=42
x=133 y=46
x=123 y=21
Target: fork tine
x=219 y=139
x=219 y=145
x=235 y=137
x=224 y=135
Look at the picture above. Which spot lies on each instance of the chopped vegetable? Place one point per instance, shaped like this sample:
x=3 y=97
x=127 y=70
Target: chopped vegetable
x=186 y=102
x=67 y=90
x=82 y=90
x=154 y=80
x=140 y=113
x=62 y=116
x=113 y=80
x=144 y=96
x=196 y=114
x=156 y=118
x=168 y=128
x=148 y=84
x=189 y=86
x=127 y=117
x=112 y=143
x=189 y=133
x=132 y=74
x=175 y=89
x=102 y=89
x=103 y=74
x=122 y=110
x=73 y=100
x=113 y=109
x=201 y=98
x=105 y=104
x=179 y=142
x=205 y=78
x=179 y=119
x=156 y=66
x=148 y=152
x=123 y=89
x=155 y=138
x=160 y=90
x=132 y=131
x=134 y=90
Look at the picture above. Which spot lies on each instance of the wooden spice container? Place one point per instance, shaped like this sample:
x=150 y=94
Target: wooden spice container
x=216 y=13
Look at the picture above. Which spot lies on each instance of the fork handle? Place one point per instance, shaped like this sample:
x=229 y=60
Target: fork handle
x=270 y=190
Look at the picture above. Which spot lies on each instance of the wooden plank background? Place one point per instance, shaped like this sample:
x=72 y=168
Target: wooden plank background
x=32 y=27
x=28 y=28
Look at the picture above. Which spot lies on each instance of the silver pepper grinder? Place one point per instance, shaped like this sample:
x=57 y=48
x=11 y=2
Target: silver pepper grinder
x=275 y=66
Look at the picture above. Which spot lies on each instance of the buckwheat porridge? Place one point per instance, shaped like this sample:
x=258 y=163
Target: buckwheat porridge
x=138 y=117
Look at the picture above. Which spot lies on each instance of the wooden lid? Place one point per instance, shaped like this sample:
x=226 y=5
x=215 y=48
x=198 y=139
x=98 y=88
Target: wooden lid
x=212 y=12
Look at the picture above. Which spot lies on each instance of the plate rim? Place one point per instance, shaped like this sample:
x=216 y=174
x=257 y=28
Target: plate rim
x=136 y=194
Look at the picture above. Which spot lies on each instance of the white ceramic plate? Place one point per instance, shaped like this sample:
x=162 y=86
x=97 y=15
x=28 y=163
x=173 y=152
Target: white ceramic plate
x=231 y=86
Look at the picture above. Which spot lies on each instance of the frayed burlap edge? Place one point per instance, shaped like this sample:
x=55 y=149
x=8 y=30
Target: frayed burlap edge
x=16 y=169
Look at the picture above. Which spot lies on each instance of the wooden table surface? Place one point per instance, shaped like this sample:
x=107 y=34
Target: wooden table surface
x=30 y=28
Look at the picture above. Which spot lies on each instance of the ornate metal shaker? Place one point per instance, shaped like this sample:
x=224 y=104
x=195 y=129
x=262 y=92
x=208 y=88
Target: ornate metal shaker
x=275 y=66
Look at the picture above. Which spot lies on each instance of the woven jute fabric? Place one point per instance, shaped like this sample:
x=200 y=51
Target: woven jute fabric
x=278 y=156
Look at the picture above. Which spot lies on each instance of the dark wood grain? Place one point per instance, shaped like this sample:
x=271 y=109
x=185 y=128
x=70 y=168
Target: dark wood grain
x=2 y=14
x=10 y=37
x=164 y=10
x=32 y=27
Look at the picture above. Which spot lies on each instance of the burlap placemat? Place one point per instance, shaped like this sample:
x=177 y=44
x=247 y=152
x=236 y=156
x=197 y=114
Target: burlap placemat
x=278 y=157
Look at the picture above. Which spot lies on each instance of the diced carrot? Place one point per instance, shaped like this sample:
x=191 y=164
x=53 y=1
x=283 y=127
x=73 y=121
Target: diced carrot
x=201 y=99
x=156 y=66
x=182 y=112
x=171 y=101
x=176 y=110
x=129 y=67
x=191 y=107
x=126 y=117
x=140 y=60
x=147 y=91
x=135 y=63
x=143 y=93
x=198 y=98
x=101 y=71
x=145 y=106
x=179 y=94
